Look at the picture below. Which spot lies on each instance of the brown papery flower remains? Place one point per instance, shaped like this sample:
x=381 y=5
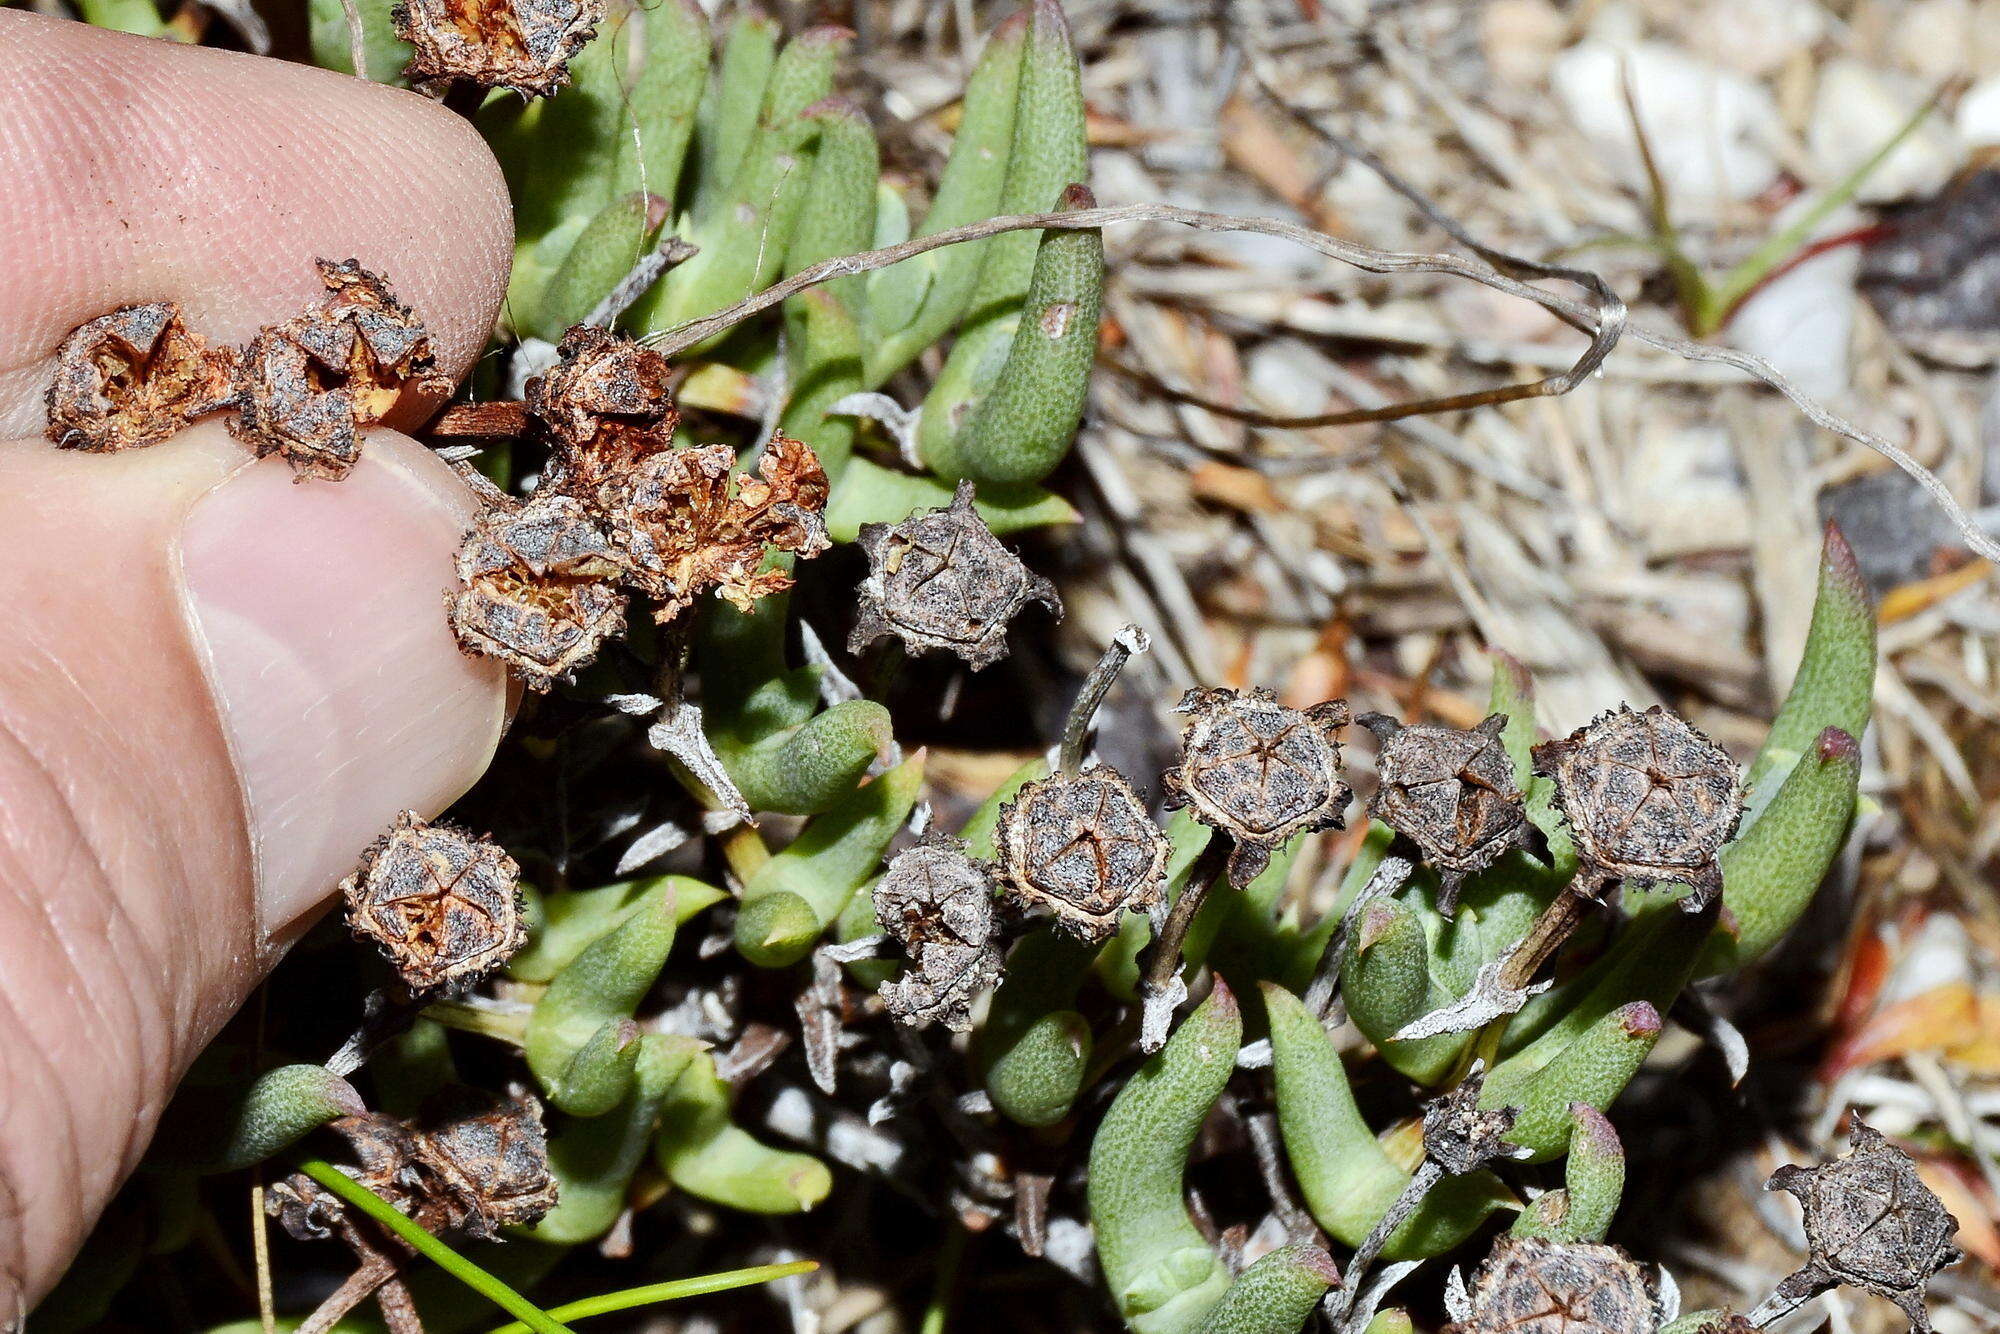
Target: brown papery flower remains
x=134 y=377
x=523 y=45
x=309 y=385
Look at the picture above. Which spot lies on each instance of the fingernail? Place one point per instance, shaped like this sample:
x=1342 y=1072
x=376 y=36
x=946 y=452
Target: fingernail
x=320 y=606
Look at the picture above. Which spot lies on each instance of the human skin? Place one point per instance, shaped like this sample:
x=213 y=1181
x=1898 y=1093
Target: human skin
x=218 y=685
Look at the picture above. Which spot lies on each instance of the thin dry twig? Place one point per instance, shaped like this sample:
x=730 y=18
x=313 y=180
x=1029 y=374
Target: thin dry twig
x=1606 y=317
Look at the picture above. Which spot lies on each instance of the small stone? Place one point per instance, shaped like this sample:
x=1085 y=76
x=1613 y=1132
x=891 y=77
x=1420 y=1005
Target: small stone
x=1536 y=1286
x=1935 y=279
x=1258 y=771
x=134 y=377
x=1647 y=797
x=443 y=904
x=1085 y=848
x=522 y=45
x=307 y=386
x=940 y=581
x=933 y=893
x=1450 y=791
x=536 y=589
x=1870 y=1223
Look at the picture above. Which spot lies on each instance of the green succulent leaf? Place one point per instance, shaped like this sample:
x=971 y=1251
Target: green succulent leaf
x=1034 y=1047
x=279 y=1108
x=580 y=1041
x=603 y=253
x=867 y=492
x=1594 y=1069
x=332 y=48
x=570 y=921
x=1593 y=1182
x=664 y=97
x=593 y=1159
x=1835 y=682
x=1275 y=1295
x=706 y=1154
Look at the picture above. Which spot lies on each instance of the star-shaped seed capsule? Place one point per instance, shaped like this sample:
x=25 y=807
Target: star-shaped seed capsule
x=1085 y=848
x=1538 y=1286
x=1451 y=792
x=1871 y=1223
x=940 y=581
x=1258 y=771
x=134 y=377
x=537 y=593
x=443 y=904
x=1647 y=798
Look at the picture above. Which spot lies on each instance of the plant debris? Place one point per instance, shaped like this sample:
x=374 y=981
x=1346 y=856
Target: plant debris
x=537 y=593
x=1871 y=1223
x=1083 y=847
x=1450 y=791
x=522 y=45
x=134 y=377
x=938 y=904
x=1258 y=771
x=607 y=406
x=944 y=979
x=443 y=904
x=1647 y=798
x=940 y=580
x=1458 y=1136
x=1536 y=1286
x=309 y=385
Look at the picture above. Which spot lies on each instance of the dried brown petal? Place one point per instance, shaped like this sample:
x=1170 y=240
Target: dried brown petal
x=941 y=985
x=308 y=385
x=1458 y=1136
x=606 y=406
x=1084 y=847
x=523 y=45
x=933 y=892
x=443 y=904
x=1647 y=798
x=134 y=377
x=682 y=529
x=1450 y=791
x=536 y=592
x=1536 y=1286
x=1258 y=771
x=1871 y=1223
x=941 y=580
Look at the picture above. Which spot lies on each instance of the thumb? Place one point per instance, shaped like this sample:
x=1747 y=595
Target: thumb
x=219 y=686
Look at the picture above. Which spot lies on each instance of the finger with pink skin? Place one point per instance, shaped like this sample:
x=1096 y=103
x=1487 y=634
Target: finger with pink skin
x=144 y=170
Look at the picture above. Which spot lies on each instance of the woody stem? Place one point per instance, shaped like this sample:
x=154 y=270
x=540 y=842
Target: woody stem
x=1076 y=731
x=1427 y=1175
x=1164 y=959
x=1545 y=937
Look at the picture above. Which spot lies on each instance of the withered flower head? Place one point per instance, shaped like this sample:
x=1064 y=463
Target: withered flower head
x=1458 y=1136
x=1452 y=793
x=1258 y=771
x=1536 y=1286
x=1871 y=1223
x=472 y=1163
x=1084 y=847
x=933 y=893
x=524 y=45
x=941 y=580
x=943 y=980
x=443 y=905
x=682 y=528
x=536 y=590
x=308 y=385
x=134 y=377
x=606 y=407
x=1647 y=798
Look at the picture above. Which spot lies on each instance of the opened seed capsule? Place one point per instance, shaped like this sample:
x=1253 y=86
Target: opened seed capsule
x=1451 y=792
x=443 y=904
x=134 y=377
x=1536 y=1286
x=1085 y=848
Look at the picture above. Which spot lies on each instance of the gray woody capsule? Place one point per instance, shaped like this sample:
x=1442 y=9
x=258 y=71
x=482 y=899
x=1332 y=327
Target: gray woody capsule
x=1871 y=1223
x=938 y=903
x=1647 y=798
x=1451 y=792
x=443 y=904
x=1537 y=1286
x=940 y=580
x=1085 y=848
x=1258 y=771
x=537 y=592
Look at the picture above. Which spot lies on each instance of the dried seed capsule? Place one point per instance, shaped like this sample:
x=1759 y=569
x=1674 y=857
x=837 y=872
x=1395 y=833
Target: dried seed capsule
x=1084 y=847
x=522 y=45
x=1451 y=792
x=934 y=893
x=1647 y=798
x=1258 y=771
x=606 y=407
x=1871 y=1223
x=941 y=580
x=1535 y=1286
x=308 y=385
x=134 y=377
x=537 y=594
x=679 y=529
x=1458 y=1136
x=443 y=905
x=944 y=980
